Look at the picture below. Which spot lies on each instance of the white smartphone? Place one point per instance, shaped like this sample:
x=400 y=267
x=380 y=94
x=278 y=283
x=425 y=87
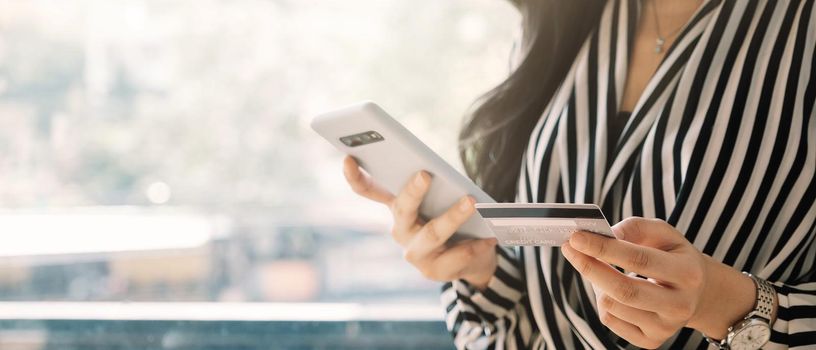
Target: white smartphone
x=392 y=155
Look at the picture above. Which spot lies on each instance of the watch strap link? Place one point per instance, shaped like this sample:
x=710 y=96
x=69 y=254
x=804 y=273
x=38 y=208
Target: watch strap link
x=764 y=299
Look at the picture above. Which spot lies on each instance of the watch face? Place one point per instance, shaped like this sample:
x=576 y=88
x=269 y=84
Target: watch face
x=753 y=336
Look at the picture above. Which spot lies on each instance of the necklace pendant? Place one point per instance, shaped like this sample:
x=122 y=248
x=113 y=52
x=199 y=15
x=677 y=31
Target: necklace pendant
x=659 y=45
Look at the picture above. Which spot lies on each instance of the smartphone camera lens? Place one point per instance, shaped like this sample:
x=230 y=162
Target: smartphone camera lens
x=362 y=138
x=350 y=141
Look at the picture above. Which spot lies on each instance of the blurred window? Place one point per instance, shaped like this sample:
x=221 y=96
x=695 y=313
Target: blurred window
x=159 y=151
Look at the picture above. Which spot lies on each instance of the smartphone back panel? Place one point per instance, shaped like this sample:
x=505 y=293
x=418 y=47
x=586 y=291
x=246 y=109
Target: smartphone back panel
x=392 y=155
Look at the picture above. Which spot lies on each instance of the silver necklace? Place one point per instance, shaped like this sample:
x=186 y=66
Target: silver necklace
x=661 y=40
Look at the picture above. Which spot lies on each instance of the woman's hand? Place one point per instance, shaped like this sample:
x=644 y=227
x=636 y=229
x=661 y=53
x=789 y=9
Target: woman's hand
x=682 y=288
x=424 y=242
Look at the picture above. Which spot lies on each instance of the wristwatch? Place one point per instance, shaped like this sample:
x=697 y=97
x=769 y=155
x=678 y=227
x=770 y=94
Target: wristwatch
x=754 y=331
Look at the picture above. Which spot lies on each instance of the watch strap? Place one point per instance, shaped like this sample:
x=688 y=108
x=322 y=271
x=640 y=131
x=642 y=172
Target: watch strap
x=764 y=304
x=718 y=344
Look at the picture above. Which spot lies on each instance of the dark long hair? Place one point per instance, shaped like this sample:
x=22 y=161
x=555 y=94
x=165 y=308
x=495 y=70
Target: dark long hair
x=494 y=135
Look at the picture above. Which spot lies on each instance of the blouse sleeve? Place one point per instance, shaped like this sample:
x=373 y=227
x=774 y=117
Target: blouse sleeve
x=795 y=324
x=496 y=315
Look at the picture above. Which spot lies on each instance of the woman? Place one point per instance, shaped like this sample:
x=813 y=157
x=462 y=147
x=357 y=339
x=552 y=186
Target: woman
x=698 y=115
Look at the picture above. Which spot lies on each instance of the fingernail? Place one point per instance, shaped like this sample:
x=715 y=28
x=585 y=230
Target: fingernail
x=419 y=180
x=464 y=204
x=565 y=249
x=578 y=241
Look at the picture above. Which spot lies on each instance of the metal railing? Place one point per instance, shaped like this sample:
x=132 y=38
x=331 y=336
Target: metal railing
x=91 y=326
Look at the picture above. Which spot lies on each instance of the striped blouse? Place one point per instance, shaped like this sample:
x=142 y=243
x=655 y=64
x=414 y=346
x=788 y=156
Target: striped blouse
x=722 y=145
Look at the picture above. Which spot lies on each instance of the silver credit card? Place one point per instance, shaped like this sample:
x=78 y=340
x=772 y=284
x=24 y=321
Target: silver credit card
x=541 y=224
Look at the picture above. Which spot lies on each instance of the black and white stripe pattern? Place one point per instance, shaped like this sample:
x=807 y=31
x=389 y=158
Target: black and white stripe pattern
x=722 y=145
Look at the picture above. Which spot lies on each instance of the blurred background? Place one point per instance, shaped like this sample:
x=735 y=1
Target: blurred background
x=157 y=155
